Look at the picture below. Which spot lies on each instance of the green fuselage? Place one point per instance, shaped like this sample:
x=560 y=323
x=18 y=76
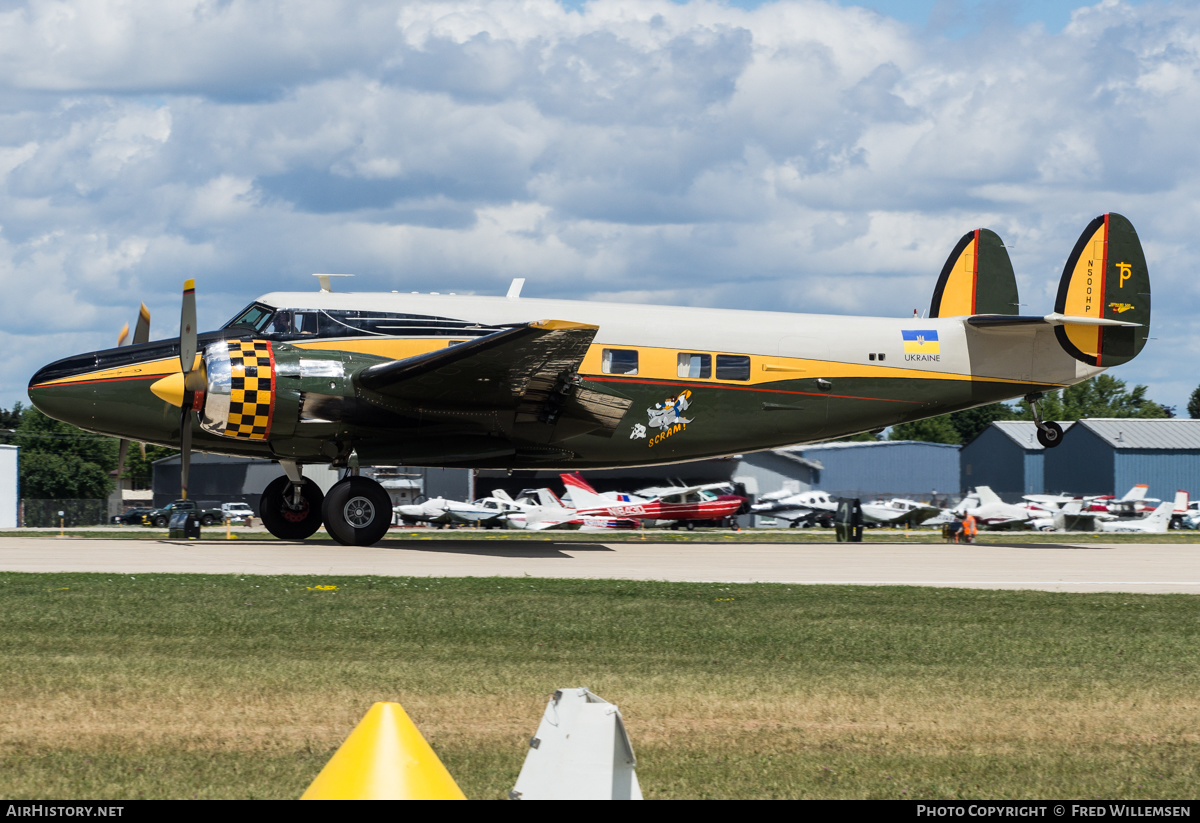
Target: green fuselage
x=788 y=379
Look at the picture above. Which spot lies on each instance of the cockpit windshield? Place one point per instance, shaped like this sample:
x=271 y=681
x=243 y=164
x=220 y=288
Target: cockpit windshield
x=288 y=324
x=256 y=317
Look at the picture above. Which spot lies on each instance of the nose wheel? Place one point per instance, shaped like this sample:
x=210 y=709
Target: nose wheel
x=357 y=512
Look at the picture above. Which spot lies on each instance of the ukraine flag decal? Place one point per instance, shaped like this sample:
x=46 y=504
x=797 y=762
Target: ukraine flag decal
x=921 y=342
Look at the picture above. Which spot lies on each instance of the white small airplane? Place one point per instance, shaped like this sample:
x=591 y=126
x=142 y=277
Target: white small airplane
x=537 y=510
x=1050 y=502
x=991 y=512
x=900 y=511
x=1072 y=518
x=799 y=509
x=442 y=511
x=1157 y=522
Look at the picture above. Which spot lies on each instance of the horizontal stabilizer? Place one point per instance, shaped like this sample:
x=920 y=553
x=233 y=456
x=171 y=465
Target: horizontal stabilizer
x=986 y=321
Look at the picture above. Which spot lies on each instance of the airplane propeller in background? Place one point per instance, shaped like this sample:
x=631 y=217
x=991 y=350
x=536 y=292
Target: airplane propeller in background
x=195 y=381
x=141 y=334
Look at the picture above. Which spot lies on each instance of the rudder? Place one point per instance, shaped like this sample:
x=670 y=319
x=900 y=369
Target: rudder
x=978 y=278
x=1105 y=278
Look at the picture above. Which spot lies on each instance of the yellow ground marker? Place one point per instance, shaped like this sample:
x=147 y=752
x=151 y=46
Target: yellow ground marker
x=384 y=758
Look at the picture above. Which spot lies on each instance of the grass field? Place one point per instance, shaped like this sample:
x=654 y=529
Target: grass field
x=180 y=686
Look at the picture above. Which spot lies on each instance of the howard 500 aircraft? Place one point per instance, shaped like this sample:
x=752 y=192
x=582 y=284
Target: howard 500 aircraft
x=508 y=382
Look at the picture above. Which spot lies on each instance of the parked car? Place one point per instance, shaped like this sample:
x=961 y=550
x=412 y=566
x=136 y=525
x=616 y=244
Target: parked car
x=236 y=511
x=159 y=518
x=132 y=516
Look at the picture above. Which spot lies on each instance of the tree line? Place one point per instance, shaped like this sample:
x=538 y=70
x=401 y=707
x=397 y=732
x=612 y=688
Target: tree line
x=61 y=462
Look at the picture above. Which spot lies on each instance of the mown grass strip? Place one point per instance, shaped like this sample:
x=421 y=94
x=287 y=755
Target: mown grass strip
x=217 y=686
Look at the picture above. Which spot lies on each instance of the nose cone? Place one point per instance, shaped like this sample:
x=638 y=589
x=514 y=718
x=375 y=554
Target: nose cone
x=109 y=392
x=170 y=389
x=57 y=391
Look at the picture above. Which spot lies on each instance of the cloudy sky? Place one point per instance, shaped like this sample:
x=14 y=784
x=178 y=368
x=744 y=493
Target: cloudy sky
x=805 y=155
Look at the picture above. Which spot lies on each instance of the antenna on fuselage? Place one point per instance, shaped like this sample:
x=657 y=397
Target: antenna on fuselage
x=323 y=279
x=514 y=289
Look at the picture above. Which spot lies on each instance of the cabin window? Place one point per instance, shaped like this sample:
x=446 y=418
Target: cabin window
x=695 y=365
x=733 y=367
x=620 y=361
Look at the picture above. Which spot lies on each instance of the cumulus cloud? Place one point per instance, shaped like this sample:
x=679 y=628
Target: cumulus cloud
x=800 y=155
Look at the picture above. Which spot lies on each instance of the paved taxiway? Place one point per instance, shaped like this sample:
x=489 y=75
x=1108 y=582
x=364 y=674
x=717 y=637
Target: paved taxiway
x=1064 y=567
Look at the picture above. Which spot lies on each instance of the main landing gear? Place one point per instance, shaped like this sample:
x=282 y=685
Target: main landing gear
x=1049 y=434
x=291 y=511
x=356 y=512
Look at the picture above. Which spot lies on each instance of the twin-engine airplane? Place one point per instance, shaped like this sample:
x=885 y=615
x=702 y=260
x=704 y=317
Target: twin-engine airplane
x=484 y=382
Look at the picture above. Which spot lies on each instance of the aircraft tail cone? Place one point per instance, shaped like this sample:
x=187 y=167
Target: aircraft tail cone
x=384 y=758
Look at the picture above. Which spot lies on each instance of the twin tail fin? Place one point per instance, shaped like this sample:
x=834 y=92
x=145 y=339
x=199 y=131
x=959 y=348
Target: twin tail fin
x=1105 y=279
x=977 y=278
x=1102 y=312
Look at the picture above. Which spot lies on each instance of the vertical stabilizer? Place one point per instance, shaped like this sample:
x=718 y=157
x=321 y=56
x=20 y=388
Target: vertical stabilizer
x=987 y=497
x=1105 y=279
x=977 y=278
x=1159 y=520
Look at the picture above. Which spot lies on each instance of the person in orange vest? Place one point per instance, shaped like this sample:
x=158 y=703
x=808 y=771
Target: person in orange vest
x=970 y=528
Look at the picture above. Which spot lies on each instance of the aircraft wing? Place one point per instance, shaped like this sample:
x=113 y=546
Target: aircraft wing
x=530 y=371
x=1012 y=524
x=914 y=517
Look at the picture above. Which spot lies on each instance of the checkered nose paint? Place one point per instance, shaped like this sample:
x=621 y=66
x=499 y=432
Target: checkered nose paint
x=241 y=389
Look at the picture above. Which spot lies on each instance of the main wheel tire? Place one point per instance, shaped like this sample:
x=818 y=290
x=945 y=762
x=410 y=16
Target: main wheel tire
x=1050 y=436
x=357 y=512
x=282 y=520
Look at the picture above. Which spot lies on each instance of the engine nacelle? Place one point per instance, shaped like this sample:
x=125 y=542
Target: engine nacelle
x=240 y=398
x=256 y=388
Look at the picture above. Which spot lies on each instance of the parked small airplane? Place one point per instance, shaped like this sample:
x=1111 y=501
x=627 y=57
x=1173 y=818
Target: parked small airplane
x=817 y=508
x=900 y=512
x=506 y=382
x=798 y=509
x=1073 y=517
x=1157 y=522
x=442 y=511
x=686 y=505
x=538 y=510
x=990 y=512
x=1134 y=503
